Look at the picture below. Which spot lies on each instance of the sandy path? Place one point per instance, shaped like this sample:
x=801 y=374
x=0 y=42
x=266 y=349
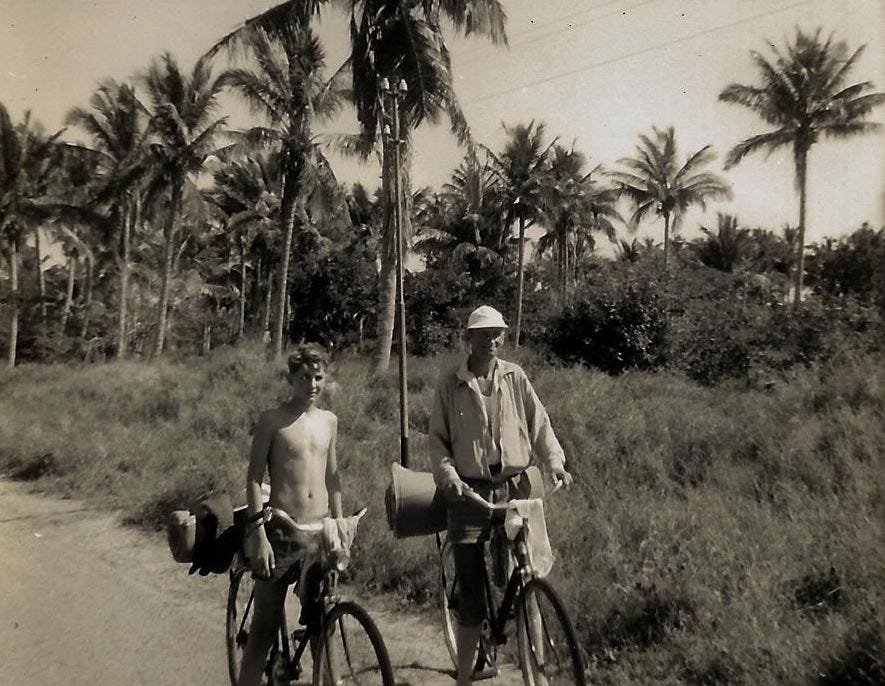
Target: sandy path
x=86 y=602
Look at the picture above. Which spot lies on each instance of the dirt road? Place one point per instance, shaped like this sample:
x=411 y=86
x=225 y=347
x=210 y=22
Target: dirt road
x=86 y=602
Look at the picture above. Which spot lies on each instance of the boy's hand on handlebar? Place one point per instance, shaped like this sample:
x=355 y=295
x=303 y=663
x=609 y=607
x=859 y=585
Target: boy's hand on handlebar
x=260 y=554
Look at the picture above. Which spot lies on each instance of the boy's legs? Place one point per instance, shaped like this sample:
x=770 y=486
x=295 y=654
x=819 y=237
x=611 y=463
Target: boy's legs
x=266 y=613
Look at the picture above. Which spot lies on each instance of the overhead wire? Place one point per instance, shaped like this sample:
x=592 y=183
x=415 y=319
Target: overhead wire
x=652 y=48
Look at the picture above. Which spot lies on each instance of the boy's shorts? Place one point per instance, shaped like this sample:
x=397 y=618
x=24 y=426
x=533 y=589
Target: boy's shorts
x=290 y=548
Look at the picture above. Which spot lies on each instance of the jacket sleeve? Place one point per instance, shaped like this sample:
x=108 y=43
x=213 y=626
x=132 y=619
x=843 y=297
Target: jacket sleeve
x=440 y=439
x=544 y=442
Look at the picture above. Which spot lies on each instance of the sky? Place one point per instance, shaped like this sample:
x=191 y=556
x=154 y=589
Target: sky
x=597 y=73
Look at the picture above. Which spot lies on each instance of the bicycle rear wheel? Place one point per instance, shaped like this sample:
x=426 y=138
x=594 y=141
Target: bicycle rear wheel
x=350 y=650
x=548 y=646
x=487 y=651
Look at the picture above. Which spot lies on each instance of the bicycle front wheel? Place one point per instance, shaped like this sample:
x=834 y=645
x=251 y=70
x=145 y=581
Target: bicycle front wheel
x=548 y=646
x=350 y=650
x=237 y=619
x=448 y=598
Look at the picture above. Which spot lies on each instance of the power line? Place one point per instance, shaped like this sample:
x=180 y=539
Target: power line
x=652 y=48
x=558 y=20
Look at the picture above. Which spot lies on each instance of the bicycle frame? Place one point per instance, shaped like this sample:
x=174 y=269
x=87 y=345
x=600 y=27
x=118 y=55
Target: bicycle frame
x=546 y=642
x=498 y=617
x=522 y=571
x=328 y=598
x=288 y=649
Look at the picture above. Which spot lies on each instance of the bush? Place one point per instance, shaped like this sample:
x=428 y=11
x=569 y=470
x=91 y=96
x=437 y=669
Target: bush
x=710 y=325
x=616 y=325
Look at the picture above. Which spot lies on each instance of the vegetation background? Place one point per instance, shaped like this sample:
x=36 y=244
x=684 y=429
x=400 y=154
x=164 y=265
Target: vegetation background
x=721 y=400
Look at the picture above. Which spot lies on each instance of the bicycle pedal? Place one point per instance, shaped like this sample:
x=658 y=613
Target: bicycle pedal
x=488 y=672
x=298 y=635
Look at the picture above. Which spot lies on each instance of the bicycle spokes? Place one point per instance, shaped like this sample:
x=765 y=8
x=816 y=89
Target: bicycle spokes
x=548 y=650
x=351 y=652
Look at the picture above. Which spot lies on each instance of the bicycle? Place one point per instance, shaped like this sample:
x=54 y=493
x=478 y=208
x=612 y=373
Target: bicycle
x=547 y=646
x=345 y=643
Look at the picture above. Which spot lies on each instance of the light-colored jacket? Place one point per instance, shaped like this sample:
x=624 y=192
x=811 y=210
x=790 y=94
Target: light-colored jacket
x=460 y=439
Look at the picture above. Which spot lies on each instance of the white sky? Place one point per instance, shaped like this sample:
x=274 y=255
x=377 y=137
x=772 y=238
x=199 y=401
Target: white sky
x=596 y=72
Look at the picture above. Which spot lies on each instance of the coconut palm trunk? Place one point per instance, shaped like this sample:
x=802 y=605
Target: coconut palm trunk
x=801 y=182
x=268 y=306
x=87 y=299
x=241 y=324
x=41 y=277
x=168 y=256
x=520 y=280
x=666 y=242
x=69 y=291
x=387 y=277
x=288 y=212
x=131 y=217
x=13 y=291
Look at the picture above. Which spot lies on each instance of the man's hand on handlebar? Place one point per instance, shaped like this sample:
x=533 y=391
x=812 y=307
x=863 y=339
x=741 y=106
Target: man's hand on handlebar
x=559 y=474
x=457 y=490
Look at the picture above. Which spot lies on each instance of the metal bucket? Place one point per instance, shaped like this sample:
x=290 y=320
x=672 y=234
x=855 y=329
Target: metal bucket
x=181 y=535
x=415 y=507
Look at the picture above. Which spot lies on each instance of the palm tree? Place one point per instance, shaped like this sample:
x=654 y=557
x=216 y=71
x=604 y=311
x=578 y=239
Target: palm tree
x=27 y=158
x=117 y=124
x=396 y=40
x=725 y=248
x=290 y=91
x=520 y=168
x=629 y=251
x=464 y=221
x=184 y=130
x=803 y=95
x=247 y=194
x=77 y=226
x=574 y=205
x=655 y=182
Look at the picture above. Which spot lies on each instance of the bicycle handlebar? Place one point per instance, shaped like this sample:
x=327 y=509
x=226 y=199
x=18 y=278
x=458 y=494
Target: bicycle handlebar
x=477 y=498
x=310 y=526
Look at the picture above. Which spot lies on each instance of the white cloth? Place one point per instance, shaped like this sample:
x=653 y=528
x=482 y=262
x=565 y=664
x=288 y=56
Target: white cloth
x=338 y=535
x=531 y=512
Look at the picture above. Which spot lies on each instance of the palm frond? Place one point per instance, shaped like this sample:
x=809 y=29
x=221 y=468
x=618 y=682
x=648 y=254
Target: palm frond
x=259 y=94
x=764 y=141
x=475 y=17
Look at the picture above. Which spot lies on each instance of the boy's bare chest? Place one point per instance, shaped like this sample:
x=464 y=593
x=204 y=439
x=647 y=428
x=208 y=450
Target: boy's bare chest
x=306 y=436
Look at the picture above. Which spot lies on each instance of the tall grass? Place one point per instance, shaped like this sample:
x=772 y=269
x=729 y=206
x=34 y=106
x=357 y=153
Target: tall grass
x=714 y=535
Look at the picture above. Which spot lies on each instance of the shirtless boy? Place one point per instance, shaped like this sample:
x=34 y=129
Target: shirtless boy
x=295 y=442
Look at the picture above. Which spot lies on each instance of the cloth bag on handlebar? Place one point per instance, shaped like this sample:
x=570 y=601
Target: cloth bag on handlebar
x=537 y=542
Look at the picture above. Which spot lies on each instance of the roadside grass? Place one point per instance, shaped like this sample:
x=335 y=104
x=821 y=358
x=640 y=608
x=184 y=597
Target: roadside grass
x=714 y=535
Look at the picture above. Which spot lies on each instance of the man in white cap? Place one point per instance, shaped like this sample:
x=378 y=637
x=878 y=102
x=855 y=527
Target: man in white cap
x=487 y=427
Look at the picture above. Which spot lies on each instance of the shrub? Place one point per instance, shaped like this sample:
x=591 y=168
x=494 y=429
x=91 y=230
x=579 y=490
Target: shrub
x=614 y=326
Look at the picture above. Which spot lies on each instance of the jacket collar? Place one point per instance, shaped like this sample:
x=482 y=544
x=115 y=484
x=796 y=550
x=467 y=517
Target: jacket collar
x=502 y=369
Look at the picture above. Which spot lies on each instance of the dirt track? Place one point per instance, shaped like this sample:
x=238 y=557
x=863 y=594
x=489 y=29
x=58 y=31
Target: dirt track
x=86 y=602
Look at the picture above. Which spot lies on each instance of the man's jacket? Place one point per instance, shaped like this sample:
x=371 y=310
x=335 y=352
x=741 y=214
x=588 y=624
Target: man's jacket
x=460 y=439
